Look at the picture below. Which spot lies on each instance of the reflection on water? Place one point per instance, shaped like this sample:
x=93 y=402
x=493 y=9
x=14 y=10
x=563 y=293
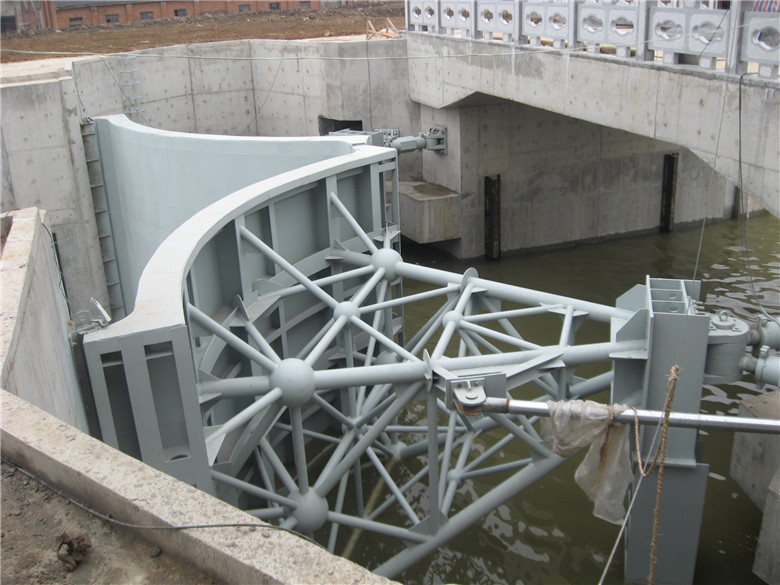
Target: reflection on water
x=547 y=534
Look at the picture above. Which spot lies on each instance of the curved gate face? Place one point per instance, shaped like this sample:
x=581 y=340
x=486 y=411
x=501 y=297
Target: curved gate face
x=268 y=360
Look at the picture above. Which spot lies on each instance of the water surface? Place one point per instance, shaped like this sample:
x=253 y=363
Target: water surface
x=547 y=534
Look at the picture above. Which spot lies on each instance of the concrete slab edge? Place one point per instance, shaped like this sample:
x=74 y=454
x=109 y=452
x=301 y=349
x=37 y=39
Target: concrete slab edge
x=15 y=279
x=113 y=483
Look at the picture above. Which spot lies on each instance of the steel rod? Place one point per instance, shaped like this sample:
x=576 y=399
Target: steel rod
x=500 y=315
x=676 y=419
x=437 y=292
x=378 y=527
x=368 y=287
x=353 y=223
x=384 y=340
x=570 y=355
x=253 y=489
x=508 y=292
x=277 y=465
x=400 y=373
x=324 y=343
x=299 y=449
x=470 y=515
x=245 y=415
x=228 y=337
x=392 y=486
x=275 y=257
x=321 y=282
x=328 y=481
x=234 y=387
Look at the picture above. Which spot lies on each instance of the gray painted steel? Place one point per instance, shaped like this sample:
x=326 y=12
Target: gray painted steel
x=266 y=361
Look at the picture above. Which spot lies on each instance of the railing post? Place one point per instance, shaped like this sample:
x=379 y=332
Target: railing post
x=643 y=52
x=733 y=62
x=520 y=38
x=571 y=39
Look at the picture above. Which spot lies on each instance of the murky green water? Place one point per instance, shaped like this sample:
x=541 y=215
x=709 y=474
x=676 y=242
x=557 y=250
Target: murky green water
x=547 y=534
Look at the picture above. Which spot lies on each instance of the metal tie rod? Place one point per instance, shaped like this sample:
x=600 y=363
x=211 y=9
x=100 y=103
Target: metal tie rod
x=676 y=419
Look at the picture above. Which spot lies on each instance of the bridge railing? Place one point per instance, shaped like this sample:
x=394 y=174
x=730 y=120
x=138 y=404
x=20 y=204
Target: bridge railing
x=684 y=33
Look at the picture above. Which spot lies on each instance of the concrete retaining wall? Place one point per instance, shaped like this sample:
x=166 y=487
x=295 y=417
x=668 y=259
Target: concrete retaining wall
x=755 y=466
x=44 y=166
x=258 y=87
x=239 y=88
x=36 y=357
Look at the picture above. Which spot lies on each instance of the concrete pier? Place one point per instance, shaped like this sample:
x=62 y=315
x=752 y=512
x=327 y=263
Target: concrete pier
x=755 y=465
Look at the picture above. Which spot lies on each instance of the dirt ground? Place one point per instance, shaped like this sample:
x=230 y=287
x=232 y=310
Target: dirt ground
x=118 y=38
x=33 y=519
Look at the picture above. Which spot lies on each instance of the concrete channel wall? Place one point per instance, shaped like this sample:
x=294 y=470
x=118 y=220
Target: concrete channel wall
x=35 y=352
x=44 y=166
x=239 y=88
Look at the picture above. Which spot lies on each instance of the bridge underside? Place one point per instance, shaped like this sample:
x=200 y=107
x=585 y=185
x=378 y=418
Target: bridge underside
x=562 y=179
x=695 y=110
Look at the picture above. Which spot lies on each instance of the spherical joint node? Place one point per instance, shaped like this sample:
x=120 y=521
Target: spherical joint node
x=311 y=512
x=388 y=259
x=296 y=380
x=346 y=309
x=451 y=316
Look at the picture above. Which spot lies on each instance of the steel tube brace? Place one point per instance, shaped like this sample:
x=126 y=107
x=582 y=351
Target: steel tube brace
x=676 y=419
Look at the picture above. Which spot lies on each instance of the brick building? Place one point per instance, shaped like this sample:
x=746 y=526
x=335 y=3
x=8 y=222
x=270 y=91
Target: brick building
x=59 y=14
x=19 y=15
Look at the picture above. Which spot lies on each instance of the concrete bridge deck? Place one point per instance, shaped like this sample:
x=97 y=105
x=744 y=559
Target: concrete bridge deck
x=681 y=105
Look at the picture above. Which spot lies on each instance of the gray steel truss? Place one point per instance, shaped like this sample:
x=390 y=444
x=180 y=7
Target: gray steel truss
x=267 y=361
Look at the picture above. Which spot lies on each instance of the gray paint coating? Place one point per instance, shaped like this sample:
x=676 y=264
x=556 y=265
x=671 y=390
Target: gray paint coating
x=272 y=317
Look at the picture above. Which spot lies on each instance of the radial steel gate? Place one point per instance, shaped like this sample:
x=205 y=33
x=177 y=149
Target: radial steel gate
x=267 y=361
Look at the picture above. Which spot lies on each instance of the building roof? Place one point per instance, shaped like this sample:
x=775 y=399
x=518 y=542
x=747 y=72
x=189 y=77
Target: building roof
x=62 y=4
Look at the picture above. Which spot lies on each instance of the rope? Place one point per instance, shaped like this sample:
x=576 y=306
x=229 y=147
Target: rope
x=635 y=494
x=674 y=375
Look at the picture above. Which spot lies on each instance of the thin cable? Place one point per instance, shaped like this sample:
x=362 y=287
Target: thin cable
x=370 y=104
x=621 y=531
x=267 y=95
x=712 y=36
x=743 y=212
x=59 y=268
x=116 y=522
x=122 y=91
x=643 y=472
x=78 y=94
x=717 y=145
x=701 y=240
